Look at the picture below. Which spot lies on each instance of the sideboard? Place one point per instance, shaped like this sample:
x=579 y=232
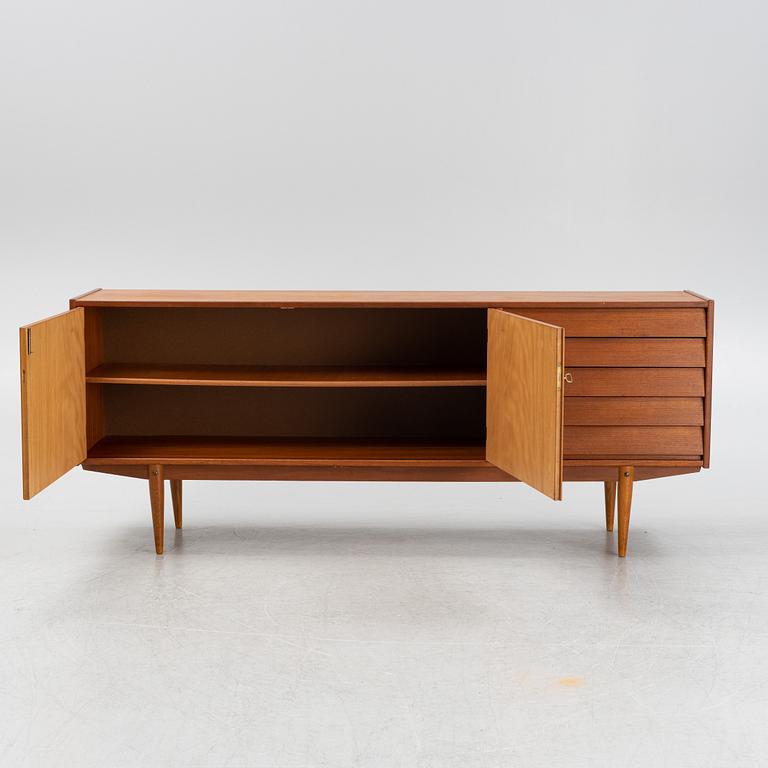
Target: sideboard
x=540 y=387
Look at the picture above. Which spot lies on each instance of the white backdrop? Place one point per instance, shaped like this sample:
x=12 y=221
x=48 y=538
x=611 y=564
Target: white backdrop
x=397 y=145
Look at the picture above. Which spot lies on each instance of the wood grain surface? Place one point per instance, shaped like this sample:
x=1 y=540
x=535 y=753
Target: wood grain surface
x=625 y=382
x=644 y=411
x=157 y=503
x=193 y=470
x=643 y=353
x=626 y=477
x=524 y=415
x=284 y=376
x=624 y=322
x=286 y=451
x=52 y=355
x=486 y=299
x=627 y=441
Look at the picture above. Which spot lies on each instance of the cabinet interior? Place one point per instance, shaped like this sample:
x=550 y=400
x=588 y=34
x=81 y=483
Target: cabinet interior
x=405 y=374
x=441 y=338
x=371 y=412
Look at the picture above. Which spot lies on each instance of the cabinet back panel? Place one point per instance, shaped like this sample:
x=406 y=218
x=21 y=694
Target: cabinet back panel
x=455 y=412
x=338 y=337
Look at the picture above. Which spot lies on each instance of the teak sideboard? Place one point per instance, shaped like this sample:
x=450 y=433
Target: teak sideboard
x=428 y=386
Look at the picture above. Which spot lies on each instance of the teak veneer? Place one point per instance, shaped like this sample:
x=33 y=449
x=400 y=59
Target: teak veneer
x=540 y=387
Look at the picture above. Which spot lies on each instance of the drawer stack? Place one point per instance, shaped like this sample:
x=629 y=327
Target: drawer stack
x=637 y=382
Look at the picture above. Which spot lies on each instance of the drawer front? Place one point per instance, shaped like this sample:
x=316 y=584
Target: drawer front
x=579 y=441
x=642 y=411
x=644 y=353
x=626 y=382
x=635 y=383
x=669 y=323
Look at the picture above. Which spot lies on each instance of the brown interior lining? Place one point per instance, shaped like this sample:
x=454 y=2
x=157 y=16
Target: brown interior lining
x=425 y=413
x=334 y=337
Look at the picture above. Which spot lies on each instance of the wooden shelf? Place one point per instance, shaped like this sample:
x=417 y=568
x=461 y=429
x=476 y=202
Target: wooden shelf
x=280 y=451
x=291 y=376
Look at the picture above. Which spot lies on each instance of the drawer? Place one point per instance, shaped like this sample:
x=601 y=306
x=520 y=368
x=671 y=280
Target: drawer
x=624 y=322
x=644 y=411
x=632 y=441
x=623 y=382
x=648 y=353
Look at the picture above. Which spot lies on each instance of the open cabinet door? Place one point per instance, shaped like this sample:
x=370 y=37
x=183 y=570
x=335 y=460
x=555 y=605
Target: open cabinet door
x=52 y=398
x=524 y=407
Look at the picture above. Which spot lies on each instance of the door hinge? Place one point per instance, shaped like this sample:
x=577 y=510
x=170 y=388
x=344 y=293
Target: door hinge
x=29 y=341
x=559 y=376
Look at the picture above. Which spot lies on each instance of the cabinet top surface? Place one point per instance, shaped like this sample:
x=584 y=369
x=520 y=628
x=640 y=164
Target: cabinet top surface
x=108 y=297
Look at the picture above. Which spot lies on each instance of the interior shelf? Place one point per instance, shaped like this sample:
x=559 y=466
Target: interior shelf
x=284 y=451
x=284 y=376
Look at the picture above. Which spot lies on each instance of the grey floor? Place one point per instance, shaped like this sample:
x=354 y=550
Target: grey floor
x=452 y=627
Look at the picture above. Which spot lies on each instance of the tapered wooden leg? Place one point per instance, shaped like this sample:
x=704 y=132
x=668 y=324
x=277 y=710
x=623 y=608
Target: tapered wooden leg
x=610 y=503
x=176 y=499
x=157 y=499
x=626 y=476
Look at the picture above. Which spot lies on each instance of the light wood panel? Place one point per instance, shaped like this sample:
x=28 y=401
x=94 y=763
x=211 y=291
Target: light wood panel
x=483 y=299
x=628 y=441
x=52 y=354
x=524 y=413
x=643 y=353
x=624 y=322
x=290 y=376
x=625 y=382
x=648 y=411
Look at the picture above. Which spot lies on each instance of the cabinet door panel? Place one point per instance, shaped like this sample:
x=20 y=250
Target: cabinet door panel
x=52 y=399
x=524 y=411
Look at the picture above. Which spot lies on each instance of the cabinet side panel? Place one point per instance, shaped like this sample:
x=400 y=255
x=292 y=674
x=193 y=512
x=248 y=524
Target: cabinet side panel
x=708 y=380
x=94 y=393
